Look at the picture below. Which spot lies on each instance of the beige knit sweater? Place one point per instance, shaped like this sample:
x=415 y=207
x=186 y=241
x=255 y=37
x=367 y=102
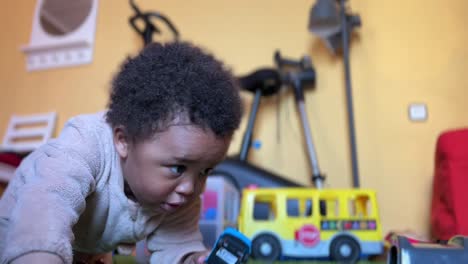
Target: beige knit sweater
x=68 y=195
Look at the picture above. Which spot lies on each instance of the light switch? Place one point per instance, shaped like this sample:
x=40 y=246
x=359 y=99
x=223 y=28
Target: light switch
x=417 y=112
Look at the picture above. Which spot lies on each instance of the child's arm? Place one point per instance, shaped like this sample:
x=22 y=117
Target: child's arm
x=48 y=195
x=178 y=238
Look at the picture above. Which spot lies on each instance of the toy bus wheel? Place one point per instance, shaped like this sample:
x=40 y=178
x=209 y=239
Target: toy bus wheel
x=266 y=247
x=346 y=249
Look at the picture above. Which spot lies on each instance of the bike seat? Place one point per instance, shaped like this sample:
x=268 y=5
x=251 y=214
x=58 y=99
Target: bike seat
x=267 y=80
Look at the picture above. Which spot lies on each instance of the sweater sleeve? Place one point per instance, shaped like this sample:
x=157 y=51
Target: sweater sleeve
x=177 y=236
x=49 y=191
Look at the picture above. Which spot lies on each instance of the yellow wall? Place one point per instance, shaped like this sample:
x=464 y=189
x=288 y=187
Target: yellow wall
x=407 y=51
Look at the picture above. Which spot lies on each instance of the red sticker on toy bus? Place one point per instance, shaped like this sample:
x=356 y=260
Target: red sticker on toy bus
x=308 y=235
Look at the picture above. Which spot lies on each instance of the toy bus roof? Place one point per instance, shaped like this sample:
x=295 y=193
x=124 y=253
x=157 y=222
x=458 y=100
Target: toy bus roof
x=303 y=190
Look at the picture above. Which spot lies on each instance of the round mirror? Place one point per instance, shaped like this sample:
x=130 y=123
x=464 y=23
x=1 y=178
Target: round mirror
x=60 y=17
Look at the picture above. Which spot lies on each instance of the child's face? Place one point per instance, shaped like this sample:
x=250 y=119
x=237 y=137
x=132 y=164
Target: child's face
x=170 y=169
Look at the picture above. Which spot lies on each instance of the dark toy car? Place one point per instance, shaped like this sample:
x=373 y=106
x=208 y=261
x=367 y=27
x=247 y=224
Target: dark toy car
x=232 y=247
x=405 y=252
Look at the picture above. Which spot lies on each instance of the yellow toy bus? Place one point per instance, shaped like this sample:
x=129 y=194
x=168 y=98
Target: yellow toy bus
x=311 y=223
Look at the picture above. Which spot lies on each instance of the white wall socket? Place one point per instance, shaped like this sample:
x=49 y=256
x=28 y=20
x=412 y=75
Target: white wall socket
x=417 y=112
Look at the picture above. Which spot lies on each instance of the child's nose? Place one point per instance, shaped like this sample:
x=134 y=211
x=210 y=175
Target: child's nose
x=186 y=187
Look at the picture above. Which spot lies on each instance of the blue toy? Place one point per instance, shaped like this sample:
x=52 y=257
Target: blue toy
x=232 y=247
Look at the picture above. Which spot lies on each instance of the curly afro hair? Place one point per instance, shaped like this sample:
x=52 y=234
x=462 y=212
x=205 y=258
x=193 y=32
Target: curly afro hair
x=170 y=81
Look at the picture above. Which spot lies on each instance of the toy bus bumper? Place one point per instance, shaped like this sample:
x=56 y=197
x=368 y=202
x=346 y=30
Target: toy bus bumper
x=322 y=249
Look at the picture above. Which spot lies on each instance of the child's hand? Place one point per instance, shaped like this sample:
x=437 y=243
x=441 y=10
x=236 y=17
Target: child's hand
x=197 y=257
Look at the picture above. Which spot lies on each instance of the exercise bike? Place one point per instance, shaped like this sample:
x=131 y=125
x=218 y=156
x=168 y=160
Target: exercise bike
x=264 y=82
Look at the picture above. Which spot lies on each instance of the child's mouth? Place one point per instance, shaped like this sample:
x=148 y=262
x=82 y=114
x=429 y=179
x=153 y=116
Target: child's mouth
x=170 y=207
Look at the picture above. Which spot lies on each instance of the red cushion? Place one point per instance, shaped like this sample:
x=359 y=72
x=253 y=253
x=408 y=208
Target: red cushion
x=449 y=216
x=11 y=159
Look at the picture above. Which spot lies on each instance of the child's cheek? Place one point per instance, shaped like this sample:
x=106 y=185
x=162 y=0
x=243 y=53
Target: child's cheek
x=200 y=186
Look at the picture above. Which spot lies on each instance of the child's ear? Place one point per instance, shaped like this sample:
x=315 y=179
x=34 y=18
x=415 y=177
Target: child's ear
x=121 y=141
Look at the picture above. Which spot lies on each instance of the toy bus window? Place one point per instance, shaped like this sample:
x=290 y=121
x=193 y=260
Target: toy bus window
x=299 y=207
x=360 y=206
x=329 y=207
x=292 y=207
x=308 y=211
x=264 y=208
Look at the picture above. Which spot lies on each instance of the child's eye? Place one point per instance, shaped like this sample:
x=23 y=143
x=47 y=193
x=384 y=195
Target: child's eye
x=178 y=169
